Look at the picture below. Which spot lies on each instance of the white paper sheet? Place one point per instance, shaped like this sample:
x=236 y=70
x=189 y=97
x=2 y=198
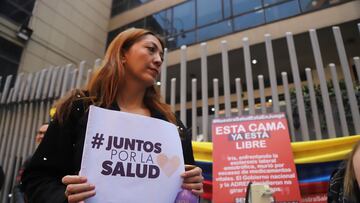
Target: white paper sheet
x=144 y=166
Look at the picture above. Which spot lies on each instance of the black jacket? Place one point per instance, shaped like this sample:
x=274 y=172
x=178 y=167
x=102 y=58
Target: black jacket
x=60 y=154
x=336 y=187
x=18 y=190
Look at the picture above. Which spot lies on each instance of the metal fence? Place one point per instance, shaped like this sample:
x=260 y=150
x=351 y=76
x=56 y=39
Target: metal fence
x=25 y=106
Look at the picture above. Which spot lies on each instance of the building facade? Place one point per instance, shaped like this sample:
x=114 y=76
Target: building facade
x=63 y=32
x=192 y=22
x=58 y=33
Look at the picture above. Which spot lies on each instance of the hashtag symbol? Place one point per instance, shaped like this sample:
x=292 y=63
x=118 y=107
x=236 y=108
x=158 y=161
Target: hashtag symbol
x=97 y=140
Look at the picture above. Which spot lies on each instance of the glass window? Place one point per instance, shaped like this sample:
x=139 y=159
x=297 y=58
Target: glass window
x=18 y=11
x=137 y=24
x=308 y=5
x=242 y=6
x=215 y=30
x=179 y=40
x=160 y=22
x=186 y=38
x=227 y=8
x=10 y=54
x=112 y=34
x=184 y=17
x=282 y=11
x=269 y=2
x=249 y=20
x=134 y=3
x=119 y=6
x=208 y=11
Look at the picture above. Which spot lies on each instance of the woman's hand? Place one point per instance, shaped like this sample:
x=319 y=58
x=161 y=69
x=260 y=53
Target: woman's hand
x=77 y=188
x=193 y=179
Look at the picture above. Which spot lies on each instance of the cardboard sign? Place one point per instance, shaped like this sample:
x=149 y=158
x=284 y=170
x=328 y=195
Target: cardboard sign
x=253 y=149
x=131 y=158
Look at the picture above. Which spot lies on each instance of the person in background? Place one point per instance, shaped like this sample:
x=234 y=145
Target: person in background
x=124 y=82
x=18 y=190
x=344 y=182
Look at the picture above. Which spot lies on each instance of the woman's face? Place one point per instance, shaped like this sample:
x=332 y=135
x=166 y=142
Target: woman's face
x=356 y=162
x=143 y=60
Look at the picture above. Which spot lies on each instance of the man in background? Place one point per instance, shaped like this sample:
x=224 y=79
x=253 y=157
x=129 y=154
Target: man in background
x=18 y=192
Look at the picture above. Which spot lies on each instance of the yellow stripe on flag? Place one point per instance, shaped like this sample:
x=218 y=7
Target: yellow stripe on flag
x=304 y=152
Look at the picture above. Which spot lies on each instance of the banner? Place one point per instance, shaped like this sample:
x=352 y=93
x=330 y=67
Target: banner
x=131 y=158
x=315 y=198
x=254 y=148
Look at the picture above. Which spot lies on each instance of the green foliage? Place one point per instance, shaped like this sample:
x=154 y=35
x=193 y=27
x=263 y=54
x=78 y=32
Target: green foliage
x=319 y=101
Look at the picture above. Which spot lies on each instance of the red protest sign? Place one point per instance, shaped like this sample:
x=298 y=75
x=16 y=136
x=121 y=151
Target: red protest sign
x=254 y=148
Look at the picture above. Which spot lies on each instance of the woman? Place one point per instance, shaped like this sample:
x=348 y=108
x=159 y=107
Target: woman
x=344 y=183
x=125 y=82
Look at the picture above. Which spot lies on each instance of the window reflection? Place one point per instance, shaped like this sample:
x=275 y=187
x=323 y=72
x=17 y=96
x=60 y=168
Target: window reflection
x=184 y=17
x=308 y=5
x=199 y=20
x=215 y=30
x=179 y=40
x=227 y=8
x=282 y=11
x=249 y=20
x=119 y=6
x=160 y=22
x=208 y=11
x=242 y=6
x=269 y=2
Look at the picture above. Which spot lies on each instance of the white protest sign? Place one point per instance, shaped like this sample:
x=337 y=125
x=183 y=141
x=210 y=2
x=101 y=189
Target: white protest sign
x=131 y=158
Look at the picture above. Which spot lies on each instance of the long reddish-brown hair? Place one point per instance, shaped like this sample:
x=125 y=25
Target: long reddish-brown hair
x=105 y=84
x=350 y=181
